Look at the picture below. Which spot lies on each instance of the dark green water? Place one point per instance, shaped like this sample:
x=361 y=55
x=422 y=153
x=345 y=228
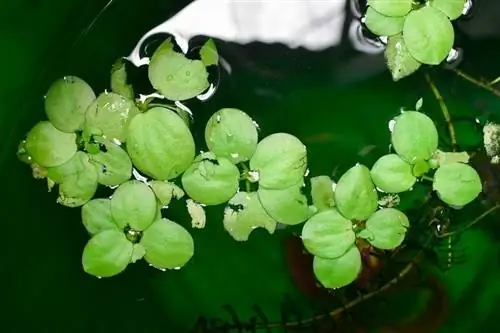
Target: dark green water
x=299 y=93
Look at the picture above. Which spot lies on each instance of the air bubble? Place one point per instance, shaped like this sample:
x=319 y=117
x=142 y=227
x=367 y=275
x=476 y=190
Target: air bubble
x=454 y=58
x=392 y=123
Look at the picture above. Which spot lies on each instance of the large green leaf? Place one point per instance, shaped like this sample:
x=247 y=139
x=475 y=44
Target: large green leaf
x=386 y=229
x=457 y=184
x=96 y=216
x=113 y=165
x=399 y=60
x=338 y=272
x=287 y=206
x=392 y=175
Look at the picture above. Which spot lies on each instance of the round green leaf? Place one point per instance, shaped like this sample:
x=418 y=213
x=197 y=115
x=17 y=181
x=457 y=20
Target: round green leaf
x=175 y=76
x=391 y=7
x=134 y=204
x=338 y=272
x=109 y=116
x=107 y=253
x=66 y=102
x=168 y=245
x=113 y=165
x=383 y=25
x=322 y=192
x=392 y=175
x=328 y=234
x=160 y=144
x=287 y=206
x=210 y=180
x=399 y=60
x=387 y=228
x=451 y=8
x=77 y=164
x=280 y=161
x=457 y=184
x=245 y=213
x=232 y=134
x=163 y=190
x=429 y=35
x=355 y=194
x=414 y=136
x=96 y=216
x=79 y=187
x=48 y=146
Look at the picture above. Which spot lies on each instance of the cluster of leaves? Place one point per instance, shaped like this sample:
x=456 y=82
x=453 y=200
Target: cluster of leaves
x=419 y=32
x=352 y=209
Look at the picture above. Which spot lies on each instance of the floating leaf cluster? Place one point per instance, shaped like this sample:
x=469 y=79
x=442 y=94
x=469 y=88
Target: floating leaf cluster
x=418 y=33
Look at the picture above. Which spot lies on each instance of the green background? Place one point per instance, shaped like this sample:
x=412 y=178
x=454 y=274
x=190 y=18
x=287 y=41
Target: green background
x=44 y=287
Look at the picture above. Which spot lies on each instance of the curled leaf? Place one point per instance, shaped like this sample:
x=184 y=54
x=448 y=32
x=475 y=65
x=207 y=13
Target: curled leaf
x=322 y=192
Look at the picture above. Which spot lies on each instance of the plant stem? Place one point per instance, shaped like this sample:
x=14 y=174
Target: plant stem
x=444 y=110
x=425 y=177
x=476 y=82
x=470 y=224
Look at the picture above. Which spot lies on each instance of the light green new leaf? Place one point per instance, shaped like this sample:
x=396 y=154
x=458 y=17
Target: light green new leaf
x=287 y=206
x=328 y=234
x=160 y=144
x=451 y=8
x=322 y=192
x=280 y=161
x=96 y=216
x=211 y=180
x=168 y=245
x=391 y=7
x=163 y=191
x=134 y=204
x=113 y=165
x=48 y=146
x=387 y=228
x=244 y=214
x=441 y=158
x=414 y=136
x=392 y=175
x=110 y=115
x=175 y=76
x=457 y=184
x=338 y=272
x=429 y=35
x=138 y=253
x=208 y=53
x=383 y=25
x=355 y=194
x=79 y=187
x=232 y=134
x=66 y=102
x=119 y=83
x=399 y=60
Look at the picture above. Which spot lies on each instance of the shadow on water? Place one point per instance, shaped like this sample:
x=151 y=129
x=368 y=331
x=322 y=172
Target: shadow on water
x=338 y=102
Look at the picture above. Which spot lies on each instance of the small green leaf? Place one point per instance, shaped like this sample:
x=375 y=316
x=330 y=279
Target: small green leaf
x=66 y=102
x=287 y=206
x=328 y=234
x=211 y=180
x=245 y=213
x=160 y=144
x=442 y=158
x=322 y=192
x=168 y=245
x=457 y=184
x=96 y=216
x=208 y=53
x=138 y=253
x=175 y=76
x=119 y=80
x=383 y=25
x=399 y=60
x=232 y=134
x=134 y=204
x=197 y=213
x=419 y=104
x=451 y=8
x=387 y=228
x=429 y=35
x=113 y=165
x=420 y=168
x=392 y=175
x=355 y=194
x=414 y=136
x=280 y=161
x=48 y=146
x=110 y=115
x=391 y=7
x=163 y=191
x=80 y=186
x=338 y=272
x=107 y=253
